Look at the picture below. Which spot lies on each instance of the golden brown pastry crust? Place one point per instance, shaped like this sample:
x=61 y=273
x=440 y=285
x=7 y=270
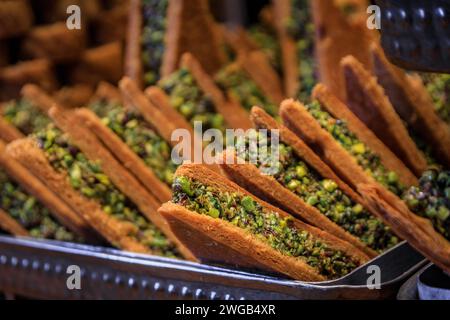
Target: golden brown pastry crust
x=255 y=62
x=36 y=188
x=8 y=132
x=238 y=246
x=413 y=103
x=74 y=96
x=107 y=92
x=201 y=40
x=340 y=111
x=70 y=123
x=38 y=97
x=267 y=188
x=367 y=99
x=213 y=241
x=418 y=231
x=111 y=25
x=238 y=39
x=102 y=63
x=258 y=67
x=128 y=158
x=159 y=99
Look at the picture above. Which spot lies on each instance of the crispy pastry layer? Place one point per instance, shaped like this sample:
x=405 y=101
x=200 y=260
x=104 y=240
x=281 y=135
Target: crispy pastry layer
x=418 y=231
x=298 y=119
x=36 y=188
x=339 y=110
x=367 y=99
x=235 y=116
x=127 y=157
x=116 y=232
x=337 y=37
x=205 y=235
x=70 y=122
x=413 y=103
x=267 y=188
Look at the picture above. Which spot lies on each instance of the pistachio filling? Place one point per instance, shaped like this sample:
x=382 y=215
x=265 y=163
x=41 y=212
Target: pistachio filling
x=244 y=89
x=301 y=28
x=268 y=42
x=86 y=177
x=325 y=195
x=141 y=138
x=278 y=232
x=365 y=157
x=431 y=199
x=189 y=99
x=438 y=85
x=152 y=39
x=24 y=116
x=29 y=213
x=348 y=9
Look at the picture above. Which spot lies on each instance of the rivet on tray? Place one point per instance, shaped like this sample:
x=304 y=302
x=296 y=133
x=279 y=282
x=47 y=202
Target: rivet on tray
x=242 y=298
x=171 y=289
x=199 y=294
x=94 y=275
x=185 y=291
x=106 y=277
x=14 y=261
x=118 y=280
x=228 y=297
x=3 y=259
x=25 y=263
x=131 y=283
x=157 y=286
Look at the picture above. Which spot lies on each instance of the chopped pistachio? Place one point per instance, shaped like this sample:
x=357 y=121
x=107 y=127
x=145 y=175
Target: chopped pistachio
x=365 y=157
x=152 y=38
x=431 y=199
x=24 y=116
x=87 y=177
x=278 y=232
x=244 y=89
x=140 y=137
x=301 y=28
x=188 y=99
x=29 y=213
x=325 y=195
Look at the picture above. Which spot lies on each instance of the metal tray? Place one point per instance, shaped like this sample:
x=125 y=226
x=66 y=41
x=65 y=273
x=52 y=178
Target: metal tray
x=37 y=269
